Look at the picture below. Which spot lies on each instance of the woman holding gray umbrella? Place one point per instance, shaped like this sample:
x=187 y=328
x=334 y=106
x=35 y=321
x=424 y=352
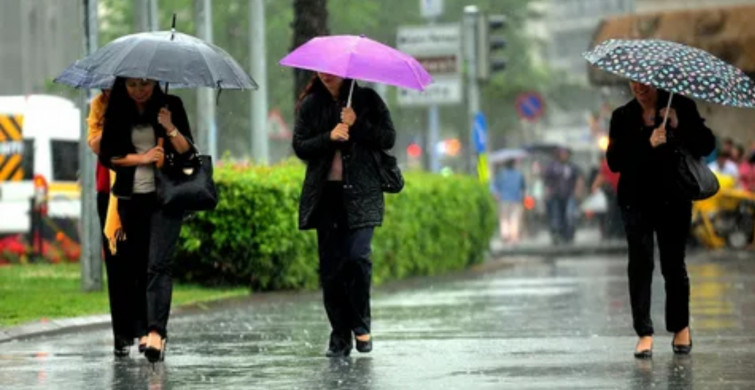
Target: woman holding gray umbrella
x=138 y=121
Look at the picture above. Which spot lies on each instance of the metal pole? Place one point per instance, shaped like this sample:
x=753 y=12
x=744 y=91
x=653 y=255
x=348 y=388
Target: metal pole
x=153 y=15
x=91 y=243
x=433 y=137
x=259 y=72
x=471 y=19
x=141 y=15
x=207 y=134
x=433 y=131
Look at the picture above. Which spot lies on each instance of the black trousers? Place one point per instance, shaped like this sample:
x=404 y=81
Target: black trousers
x=670 y=222
x=345 y=270
x=122 y=283
x=151 y=237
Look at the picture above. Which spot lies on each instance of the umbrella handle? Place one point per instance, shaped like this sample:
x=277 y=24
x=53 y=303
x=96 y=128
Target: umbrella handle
x=668 y=107
x=351 y=92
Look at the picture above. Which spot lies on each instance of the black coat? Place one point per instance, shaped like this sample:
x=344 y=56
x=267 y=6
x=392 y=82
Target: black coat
x=373 y=130
x=644 y=178
x=116 y=142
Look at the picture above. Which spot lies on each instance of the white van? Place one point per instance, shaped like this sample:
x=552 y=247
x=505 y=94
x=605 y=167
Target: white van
x=39 y=138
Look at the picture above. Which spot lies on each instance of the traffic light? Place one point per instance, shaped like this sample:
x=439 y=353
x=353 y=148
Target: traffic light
x=490 y=44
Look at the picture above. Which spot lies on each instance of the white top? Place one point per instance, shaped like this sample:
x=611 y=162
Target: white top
x=143 y=138
x=729 y=168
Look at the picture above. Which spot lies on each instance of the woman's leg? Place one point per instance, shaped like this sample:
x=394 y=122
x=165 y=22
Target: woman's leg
x=639 y=230
x=119 y=291
x=165 y=229
x=133 y=253
x=673 y=228
x=333 y=287
x=358 y=277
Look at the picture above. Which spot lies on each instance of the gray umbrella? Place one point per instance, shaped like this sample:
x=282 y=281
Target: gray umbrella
x=182 y=60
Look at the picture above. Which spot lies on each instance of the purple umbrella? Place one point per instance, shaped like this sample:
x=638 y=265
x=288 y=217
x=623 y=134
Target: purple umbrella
x=357 y=57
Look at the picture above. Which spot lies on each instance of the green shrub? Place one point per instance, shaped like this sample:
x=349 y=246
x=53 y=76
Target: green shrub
x=436 y=224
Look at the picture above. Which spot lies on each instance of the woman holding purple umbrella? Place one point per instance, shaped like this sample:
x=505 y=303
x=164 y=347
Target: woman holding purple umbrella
x=641 y=144
x=342 y=197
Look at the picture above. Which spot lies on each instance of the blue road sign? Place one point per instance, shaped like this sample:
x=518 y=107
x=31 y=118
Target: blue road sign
x=480 y=132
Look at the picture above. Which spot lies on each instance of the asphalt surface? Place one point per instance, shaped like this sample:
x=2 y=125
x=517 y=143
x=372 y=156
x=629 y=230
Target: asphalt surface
x=540 y=323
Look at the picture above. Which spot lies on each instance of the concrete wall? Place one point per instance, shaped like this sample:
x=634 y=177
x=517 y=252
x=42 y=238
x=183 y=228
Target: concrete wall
x=38 y=39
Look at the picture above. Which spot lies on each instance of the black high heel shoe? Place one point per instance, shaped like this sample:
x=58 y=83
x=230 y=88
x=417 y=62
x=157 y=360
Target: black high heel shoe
x=645 y=353
x=364 y=346
x=153 y=354
x=682 y=349
x=142 y=347
x=122 y=346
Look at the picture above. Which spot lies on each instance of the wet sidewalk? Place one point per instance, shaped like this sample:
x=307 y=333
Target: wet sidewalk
x=586 y=241
x=542 y=324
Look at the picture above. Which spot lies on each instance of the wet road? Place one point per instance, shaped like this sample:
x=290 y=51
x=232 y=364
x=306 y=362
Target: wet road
x=542 y=324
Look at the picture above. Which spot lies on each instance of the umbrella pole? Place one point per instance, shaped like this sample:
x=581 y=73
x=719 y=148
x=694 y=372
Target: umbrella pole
x=172 y=35
x=351 y=91
x=668 y=107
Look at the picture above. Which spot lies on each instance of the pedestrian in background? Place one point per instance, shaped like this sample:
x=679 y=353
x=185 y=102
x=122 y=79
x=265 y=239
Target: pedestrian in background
x=509 y=189
x=342 y=197
x=562 y=177
x=639 y=147
x=140 y=117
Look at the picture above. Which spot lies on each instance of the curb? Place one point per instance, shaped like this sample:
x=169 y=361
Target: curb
x=552 y=251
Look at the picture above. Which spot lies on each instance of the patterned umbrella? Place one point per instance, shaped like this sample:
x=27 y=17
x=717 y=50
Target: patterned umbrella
x=675 y=68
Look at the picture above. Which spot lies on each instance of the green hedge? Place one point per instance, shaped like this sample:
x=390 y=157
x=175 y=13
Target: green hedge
x=437 y=224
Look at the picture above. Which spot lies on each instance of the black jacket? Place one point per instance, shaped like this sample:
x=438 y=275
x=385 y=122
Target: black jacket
x=116 y=142
x=373 y=130
x=645 y=170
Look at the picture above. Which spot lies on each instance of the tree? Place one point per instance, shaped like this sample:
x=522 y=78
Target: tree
x=310 y=20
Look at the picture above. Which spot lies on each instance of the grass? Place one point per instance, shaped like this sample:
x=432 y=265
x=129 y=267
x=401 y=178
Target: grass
x=37 y=292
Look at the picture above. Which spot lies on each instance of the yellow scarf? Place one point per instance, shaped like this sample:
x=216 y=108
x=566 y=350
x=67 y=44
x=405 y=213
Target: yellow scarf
x=113 y=228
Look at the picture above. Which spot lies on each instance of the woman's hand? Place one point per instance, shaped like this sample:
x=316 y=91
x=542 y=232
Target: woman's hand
x=673 y=120
x=340 y=133
x=658 y=137
x=164 y=118
x=348 y=116
x=153 y=155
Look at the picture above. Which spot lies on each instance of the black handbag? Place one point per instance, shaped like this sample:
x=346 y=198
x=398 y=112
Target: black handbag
x=186 y=184
x=692 y=177
x=391 y=179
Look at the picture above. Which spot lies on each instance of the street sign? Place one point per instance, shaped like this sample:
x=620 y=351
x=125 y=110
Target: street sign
x=438 y=49
x=480 y=132
x=530 y=106
x=431 y=8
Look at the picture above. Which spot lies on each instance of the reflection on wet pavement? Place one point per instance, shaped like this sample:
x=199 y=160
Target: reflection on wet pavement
x=547 y=324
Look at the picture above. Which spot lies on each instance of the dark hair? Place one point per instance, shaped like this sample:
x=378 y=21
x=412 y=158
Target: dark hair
x=724 y=154
x=122 y=110
x=315 y=85
x=510 y=163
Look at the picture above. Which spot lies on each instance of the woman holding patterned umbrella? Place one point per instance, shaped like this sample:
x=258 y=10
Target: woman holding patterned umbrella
x=657 y=141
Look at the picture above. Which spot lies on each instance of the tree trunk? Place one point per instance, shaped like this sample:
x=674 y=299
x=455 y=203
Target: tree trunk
x=310 y=20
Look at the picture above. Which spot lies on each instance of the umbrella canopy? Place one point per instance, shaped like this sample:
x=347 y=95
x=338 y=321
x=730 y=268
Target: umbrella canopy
x=358 y=57
x=179 y=59
x=504 y=155
x=675 y=68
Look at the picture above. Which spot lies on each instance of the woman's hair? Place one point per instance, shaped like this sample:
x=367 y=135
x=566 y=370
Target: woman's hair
x=315 y=85
x=121 y=109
